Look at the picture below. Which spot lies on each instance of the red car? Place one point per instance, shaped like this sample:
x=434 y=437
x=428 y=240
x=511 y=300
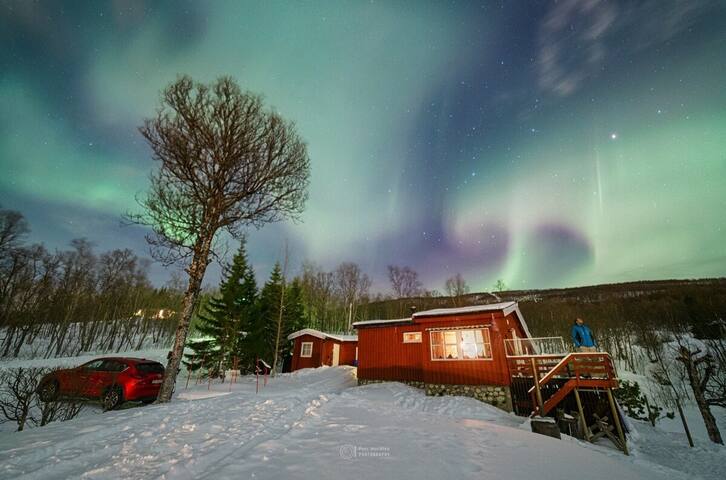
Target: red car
x=113 y=380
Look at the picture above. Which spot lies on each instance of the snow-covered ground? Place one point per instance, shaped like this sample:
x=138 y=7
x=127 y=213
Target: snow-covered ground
x=157 y=354
x=319 y=424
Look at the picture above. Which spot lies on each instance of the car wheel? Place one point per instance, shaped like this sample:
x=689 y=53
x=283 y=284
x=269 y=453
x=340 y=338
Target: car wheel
x=49 y=391
x=112 y=398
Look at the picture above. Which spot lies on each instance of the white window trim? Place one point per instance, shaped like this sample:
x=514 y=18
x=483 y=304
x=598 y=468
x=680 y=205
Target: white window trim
x=420 y=337
x=302 y=349
x=487 y=359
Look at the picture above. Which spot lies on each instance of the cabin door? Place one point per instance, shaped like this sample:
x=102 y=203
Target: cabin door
x=336 y=354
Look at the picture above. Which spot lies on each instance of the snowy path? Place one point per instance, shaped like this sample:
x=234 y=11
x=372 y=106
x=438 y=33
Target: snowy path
x=310 y=424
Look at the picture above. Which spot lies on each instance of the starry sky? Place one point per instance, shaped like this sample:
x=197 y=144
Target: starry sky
x=545 y=143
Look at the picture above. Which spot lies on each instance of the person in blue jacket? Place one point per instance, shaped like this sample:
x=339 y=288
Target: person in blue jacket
x=582 y=337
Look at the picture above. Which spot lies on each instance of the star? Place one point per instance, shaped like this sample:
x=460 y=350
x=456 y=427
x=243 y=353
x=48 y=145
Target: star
x=613 y=136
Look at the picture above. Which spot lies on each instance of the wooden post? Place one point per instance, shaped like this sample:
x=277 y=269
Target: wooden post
x=581 y=412
x=647 y=407
x=199 y=377
x=685 y=424
x=189 y=374
x=616 y=419
x=536 y=387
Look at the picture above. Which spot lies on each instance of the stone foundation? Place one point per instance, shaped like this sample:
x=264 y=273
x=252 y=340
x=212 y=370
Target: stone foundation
x=495 y=395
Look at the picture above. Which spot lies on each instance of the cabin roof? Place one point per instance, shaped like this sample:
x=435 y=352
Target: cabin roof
x=505 y=307
x=490 y=307
x=323 y=335
x=382 y=322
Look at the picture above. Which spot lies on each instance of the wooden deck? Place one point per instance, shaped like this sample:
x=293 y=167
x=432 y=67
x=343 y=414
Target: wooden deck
x=543 y=383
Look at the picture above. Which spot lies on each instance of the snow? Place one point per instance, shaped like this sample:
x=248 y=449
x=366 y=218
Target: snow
x=157 y=354
x=317 y=423
x=381 y=322
x=323 y=335
x=490 y=307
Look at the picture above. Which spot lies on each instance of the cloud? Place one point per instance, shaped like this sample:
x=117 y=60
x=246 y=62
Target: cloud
x=571 y=44
x=576 y=37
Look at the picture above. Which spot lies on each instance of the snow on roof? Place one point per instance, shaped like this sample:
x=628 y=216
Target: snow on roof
x=342 y=338
x=379 y=322
x=491 y=307
x=323 y=335
x=505 y=307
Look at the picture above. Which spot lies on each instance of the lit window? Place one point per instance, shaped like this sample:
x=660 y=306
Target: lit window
x=412 y=337
x=306 y=350
x=471 y=344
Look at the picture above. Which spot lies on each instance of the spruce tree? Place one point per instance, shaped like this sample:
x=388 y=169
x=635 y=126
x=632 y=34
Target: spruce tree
x=225 y=319
x=294 y=315
x=260 y=339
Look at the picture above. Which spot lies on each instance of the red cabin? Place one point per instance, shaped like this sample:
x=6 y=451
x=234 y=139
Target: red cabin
x=487 y=352
x=314 y=348
x=482 y=351
x=444 y=350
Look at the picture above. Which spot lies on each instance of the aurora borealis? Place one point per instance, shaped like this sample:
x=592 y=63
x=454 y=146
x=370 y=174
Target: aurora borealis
x=544 y=143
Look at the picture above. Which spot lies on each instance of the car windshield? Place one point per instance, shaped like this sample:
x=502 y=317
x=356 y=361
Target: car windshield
x=93 y=365
x=150 y=367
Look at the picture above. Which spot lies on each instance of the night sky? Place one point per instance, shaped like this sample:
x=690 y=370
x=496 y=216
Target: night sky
x=544 y=143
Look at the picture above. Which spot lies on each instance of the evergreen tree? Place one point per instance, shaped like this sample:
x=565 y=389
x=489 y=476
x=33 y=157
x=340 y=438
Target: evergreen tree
x=225 y=319
x=294 y=316
x=260 y=341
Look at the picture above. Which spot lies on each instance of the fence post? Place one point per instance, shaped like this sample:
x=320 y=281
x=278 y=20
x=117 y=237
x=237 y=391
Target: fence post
x=685 y=424
x=616 y=419
x=581 y=412
x=536 y=387
x=650 y=414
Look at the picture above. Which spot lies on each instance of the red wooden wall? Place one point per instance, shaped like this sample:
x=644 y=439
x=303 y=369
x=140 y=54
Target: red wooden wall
x=299 y=362
x=322 y=352
x=383 y=355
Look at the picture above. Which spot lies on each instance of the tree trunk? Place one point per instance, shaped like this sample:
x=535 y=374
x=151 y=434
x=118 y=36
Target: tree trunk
x=279 y=328
x=694 y=379
x=191 y=296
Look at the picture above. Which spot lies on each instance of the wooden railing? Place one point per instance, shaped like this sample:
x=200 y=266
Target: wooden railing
x=540 y=382
x=578 y=370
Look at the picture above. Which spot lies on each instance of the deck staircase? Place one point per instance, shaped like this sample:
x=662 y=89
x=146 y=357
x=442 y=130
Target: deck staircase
x=546 y=383
x=579 y=370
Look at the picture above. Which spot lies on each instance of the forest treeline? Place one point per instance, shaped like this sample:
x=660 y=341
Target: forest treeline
x=63 y=302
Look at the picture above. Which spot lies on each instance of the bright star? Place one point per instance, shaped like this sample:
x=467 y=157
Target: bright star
x=613 y=136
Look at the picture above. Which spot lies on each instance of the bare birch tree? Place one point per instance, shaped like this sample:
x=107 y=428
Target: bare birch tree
x=225 y=163
x=456 y=288
x=351 y=286
x=404 y=281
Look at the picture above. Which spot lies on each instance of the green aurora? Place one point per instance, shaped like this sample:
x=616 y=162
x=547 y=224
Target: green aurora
x=547 y=144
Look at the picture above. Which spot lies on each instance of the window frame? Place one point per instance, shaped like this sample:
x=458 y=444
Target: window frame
x=487 y=343
x=419 y=340
x=302 y=349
